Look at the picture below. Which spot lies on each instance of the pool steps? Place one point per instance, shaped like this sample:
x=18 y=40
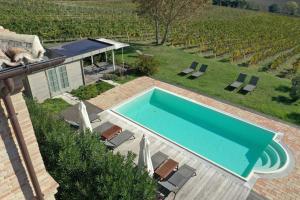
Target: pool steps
x=272 y=159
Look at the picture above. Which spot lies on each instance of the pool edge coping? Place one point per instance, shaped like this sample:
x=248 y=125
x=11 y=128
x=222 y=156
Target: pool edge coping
x=277 y=136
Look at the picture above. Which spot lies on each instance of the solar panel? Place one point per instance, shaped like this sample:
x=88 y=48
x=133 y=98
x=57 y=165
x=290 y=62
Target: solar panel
x=80 y=47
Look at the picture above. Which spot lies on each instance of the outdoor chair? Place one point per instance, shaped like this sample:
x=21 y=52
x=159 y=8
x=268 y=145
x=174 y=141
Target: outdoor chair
x=158 y=158
x=190 y=69
x=178 y=179
x=251 y=85
x=239 y=81
x=119 y=139
x=201 y=71
x=71 y=116
x=111 y=132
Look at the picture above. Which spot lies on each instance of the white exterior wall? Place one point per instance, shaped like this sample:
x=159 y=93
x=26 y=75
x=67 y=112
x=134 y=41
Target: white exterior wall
x=74 y=74
x=38 y=82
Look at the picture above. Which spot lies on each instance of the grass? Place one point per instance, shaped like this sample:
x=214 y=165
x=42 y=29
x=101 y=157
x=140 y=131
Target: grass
x=271 y=96
x=90 y=91
x=55 y=106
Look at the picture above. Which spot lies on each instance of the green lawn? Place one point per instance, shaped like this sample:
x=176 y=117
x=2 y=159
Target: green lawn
x=55 y=106
x=270 y=97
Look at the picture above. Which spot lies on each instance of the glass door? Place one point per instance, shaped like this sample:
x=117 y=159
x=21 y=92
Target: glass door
x=58 y=80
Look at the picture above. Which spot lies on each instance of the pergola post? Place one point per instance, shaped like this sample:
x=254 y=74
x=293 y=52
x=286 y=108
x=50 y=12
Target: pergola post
x=113 y=59
x=123 y=59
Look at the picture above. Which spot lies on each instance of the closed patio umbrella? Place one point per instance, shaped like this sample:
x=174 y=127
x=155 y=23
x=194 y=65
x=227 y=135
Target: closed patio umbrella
x=145 y=156
x=84 y=118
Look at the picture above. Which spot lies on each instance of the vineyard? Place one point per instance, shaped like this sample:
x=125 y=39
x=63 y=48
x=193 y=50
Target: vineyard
x=233 y=35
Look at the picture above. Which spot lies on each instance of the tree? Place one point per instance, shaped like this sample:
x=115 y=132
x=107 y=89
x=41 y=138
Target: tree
x=83 y=166
x=291 y=7
x=295 y=90
x=274 y=8
x=165 y=13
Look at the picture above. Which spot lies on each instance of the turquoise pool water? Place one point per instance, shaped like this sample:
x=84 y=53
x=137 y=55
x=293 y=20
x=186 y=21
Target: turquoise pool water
x=229 y=142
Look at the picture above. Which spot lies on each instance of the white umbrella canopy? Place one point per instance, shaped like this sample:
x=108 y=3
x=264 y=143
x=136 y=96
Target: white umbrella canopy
x=84 y=118
x=145 y=155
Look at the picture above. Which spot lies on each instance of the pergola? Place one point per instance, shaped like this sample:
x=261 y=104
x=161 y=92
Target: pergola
x=117 y=45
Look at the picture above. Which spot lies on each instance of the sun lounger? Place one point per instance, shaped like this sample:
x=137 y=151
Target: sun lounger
x=239 y=81
x=165 y=169
x=178 y=179
x=103 y=127
x=190 y=69
x=252 y=84
x=201 y=71
x=71 y=116
x=158 y=158
x=119 y=139
x=111 y=132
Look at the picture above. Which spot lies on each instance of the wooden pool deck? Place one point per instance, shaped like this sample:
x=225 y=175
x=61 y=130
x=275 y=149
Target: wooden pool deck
x=211 y=181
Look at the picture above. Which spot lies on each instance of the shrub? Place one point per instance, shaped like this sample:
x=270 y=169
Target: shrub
x=110 y=77
x=91 y=91
x=147 y=65
x=82 y=165
x=295 y=90
x=55 y=105
x=296 y=66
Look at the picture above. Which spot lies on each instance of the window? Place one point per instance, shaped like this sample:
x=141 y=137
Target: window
x=58 y=79
x=63 y=77
x=53 y=80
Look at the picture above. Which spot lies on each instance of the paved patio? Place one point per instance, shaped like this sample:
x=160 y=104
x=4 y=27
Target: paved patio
x=94 y=73
x=286 y=187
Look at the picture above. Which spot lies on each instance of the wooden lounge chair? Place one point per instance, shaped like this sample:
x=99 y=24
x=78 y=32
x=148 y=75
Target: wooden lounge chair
x=251 y=85
x=201 y=71
x=178 y=179
x=158 y=158
x=165 y=169
x=119 y=139
x=108 y=130
x=111 y=132
x=190 y=69
x=239 y=81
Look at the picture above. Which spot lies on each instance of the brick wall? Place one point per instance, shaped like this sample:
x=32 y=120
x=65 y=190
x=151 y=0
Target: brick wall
x=14 y=179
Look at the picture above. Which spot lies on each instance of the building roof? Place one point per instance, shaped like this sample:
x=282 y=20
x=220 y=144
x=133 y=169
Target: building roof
x=80 y=47
x=117 y=45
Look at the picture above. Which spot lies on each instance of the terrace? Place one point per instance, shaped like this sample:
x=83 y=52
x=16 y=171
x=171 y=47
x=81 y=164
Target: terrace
x=211 y=181
x=97 y=71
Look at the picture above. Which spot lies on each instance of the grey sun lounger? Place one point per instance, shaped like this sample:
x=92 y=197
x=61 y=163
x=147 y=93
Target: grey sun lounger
x=103 y=127
x=252 y=84
x=158 y=158
x=239 y=81
x=178 y=179
x=201 y=71
x=70 y=115
x=119 y=139
x=190 y=69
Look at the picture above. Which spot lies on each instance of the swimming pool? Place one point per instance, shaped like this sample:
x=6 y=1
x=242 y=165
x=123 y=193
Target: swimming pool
x=225 y=140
